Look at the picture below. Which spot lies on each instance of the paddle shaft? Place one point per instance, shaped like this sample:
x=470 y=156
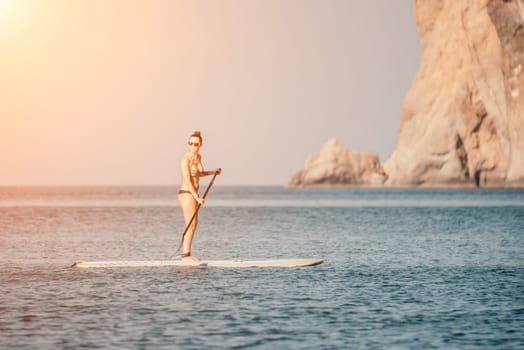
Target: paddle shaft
x=196 y=210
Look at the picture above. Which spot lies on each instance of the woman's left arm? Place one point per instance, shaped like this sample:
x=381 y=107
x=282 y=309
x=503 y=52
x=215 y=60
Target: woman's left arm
x=203 y=173
x=212 y=172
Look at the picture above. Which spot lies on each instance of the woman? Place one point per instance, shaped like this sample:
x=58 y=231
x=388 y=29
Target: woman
x=188 y=198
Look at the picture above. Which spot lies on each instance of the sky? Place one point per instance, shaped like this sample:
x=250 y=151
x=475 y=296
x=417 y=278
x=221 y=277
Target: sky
x=107 y=92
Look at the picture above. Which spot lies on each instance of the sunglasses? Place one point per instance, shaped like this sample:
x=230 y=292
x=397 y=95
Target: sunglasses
x=193 y=143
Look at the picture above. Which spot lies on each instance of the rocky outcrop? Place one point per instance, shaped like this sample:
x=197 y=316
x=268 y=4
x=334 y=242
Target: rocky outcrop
x=462 y=121
x=335 y=165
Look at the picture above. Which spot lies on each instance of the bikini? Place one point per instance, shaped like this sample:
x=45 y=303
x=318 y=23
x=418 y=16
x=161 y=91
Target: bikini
x=193 y=173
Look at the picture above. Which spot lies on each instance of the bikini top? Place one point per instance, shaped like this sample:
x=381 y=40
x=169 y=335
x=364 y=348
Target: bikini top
x=193 y=166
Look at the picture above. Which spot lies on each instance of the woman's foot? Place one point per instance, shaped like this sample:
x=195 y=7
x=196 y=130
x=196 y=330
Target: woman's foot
x=189 y=257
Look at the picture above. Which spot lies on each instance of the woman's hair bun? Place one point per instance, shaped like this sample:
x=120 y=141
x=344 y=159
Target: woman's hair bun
x=197 y=134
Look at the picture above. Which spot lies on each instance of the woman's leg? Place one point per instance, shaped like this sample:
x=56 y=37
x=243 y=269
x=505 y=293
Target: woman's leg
x=188 y=205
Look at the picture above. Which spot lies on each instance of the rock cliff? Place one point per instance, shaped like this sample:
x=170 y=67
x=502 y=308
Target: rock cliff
x=336 y=165
x=462 y=122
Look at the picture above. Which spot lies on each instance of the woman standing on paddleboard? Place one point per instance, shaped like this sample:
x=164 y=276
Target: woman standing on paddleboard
x=188 y=198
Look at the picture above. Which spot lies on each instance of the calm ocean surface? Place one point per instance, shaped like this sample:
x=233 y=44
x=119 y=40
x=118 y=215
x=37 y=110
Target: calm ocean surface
x=405 y=269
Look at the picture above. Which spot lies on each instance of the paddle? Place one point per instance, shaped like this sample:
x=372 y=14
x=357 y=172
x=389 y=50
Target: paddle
x=196 y=210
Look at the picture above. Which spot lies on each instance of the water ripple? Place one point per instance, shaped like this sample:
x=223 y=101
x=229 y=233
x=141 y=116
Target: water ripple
x=399 y=276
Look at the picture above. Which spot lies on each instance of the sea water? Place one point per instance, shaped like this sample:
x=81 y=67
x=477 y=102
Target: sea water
x=405 y=269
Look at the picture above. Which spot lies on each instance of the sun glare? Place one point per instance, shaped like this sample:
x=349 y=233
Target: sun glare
x=16 y=16
x=5 y=5
x=7 y=12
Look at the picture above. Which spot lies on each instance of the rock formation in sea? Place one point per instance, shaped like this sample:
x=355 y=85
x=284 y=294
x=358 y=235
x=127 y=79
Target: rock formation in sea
x=336 y=165
x=462 y=121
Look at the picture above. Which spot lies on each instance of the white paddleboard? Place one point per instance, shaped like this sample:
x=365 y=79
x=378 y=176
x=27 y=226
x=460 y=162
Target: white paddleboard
x=203 y=263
